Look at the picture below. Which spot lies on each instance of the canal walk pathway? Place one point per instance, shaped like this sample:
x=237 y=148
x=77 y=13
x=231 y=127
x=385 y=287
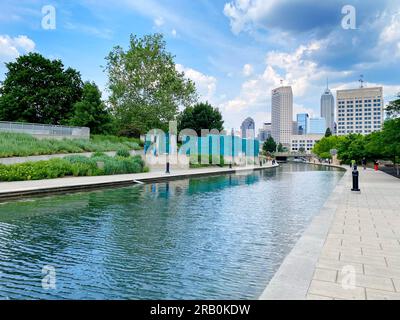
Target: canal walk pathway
x=28 y=188
x=351 y=250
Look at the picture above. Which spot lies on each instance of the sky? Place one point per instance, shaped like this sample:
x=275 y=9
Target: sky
x=236 y=51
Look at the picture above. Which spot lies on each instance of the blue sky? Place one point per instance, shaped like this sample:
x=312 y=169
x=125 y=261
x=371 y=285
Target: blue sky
x=236 y=51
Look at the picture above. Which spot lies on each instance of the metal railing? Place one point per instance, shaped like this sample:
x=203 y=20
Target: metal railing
x=45 y=130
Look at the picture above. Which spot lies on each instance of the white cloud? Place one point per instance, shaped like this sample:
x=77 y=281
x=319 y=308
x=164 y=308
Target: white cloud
x=254 y=93
x=296 y=70
x=159 y=22
x=391 y=32
x=11 y=48
x=244 y=13
x=174 y=33
x=248 y=70
x=205 y=85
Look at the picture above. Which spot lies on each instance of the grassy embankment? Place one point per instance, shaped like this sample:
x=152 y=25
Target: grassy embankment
x=22 y=145
x=97 y=165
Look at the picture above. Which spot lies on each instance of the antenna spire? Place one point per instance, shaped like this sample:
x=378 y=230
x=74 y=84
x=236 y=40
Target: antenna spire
x=361 y=81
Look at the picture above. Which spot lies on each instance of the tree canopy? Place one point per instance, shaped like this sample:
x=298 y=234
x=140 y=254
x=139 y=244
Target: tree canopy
x=328 y=132
x=146 y=88
x=39 y=90
x=393 y=109
x=200 y=116
x=383 y=144
x=269 y=145
x=91 y=111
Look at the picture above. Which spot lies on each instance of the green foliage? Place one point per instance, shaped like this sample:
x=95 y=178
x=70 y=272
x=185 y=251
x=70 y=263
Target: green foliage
x=280 y=148
x=91 y=111
x=269 y=145
x=200 y=116
x=146 y=88
x=195 y=161
x=325 y=145
x=393 y=109
x=124 y=153
x=71 y=166
x=383 y=145
x=328 y=133
x=18 y=144
x=39 y=90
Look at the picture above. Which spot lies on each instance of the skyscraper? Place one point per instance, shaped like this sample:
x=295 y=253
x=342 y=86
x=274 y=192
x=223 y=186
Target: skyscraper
x=302 y=123
x=282 y=115
x=360 y=110
x=265 y=132
x=317 y=126
x=248 y=128
x=328 y=108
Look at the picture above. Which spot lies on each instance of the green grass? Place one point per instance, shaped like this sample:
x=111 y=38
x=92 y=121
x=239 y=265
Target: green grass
x=193 y=158
x=97 y=165
x=22 y=145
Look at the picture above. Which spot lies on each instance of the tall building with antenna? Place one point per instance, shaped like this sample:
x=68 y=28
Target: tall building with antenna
x=360 y=110
x=328 y=108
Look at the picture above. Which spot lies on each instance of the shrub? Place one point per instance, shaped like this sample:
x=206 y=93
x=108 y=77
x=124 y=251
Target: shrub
x=71 y=166
x=123 y=153
x=21 y=145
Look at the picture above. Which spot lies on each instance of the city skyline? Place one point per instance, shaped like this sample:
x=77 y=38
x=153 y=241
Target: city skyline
x=234 y=56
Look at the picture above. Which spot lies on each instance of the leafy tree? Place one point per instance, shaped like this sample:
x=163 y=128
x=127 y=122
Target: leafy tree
x=269 y=145
x=323 y=147
x=146 y=89
x=39 y=90
x=391 y=140
x=352 y=147
x=302 y=150
x=91 y=111
x=280 y=148
x=393 y=109
x=200 y=116
x=328 y=133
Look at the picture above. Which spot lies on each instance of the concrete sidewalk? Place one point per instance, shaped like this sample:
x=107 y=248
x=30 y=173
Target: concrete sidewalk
x=364 y=238
x=351 y=250
x=27 y=188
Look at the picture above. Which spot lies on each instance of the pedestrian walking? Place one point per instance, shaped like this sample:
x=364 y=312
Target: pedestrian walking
x=364 y=163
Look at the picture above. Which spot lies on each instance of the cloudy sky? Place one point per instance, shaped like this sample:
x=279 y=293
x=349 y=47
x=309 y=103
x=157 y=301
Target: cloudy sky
x=235 y=50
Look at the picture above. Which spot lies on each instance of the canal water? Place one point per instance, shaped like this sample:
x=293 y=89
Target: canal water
x=219 y=237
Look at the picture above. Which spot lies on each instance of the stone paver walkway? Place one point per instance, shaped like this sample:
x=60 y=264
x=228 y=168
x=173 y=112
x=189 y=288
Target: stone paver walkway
x=27 y=188
x=360 y=258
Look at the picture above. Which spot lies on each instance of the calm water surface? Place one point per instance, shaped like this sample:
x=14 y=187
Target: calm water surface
x=206 y=238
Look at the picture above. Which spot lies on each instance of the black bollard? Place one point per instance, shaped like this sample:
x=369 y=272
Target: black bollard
x=355 y=179
x=167 y=168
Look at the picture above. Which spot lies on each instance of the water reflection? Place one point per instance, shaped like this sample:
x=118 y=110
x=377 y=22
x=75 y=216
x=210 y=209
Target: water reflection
x=220 y=237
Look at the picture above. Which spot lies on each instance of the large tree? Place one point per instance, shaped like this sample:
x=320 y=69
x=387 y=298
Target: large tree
x=146 y=88
x=393 y=109
x=39 y=90
x=269 y=145
x=328 y=133
x=91 y=111
x=200 y=116
x=391 y=140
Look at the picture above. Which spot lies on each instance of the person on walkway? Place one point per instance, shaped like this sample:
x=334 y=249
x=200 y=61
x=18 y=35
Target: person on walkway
x=353 y=163
x=376 y=165
x=364 y=163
